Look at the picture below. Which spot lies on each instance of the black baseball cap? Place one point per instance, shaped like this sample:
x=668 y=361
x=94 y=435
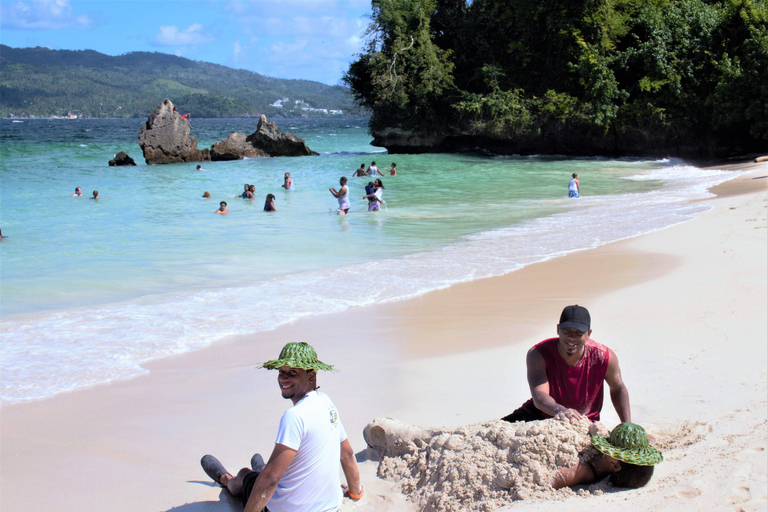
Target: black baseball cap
x=575 y=316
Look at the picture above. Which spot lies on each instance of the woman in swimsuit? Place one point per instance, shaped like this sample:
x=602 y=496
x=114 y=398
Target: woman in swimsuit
x=269 y=204
x=375 y=199
x=288 y=182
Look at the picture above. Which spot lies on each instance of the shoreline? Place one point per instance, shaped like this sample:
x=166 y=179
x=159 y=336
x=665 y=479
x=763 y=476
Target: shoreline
x=442 y=358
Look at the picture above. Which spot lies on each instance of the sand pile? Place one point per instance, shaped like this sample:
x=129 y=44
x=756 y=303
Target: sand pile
x=477 y=467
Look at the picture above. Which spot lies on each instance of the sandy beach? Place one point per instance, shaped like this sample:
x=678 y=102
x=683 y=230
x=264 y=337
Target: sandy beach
x=685 y=309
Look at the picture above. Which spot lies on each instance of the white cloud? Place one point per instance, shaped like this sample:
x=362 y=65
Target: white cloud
x=236 y=48
x=41 y=15
x=170 y=35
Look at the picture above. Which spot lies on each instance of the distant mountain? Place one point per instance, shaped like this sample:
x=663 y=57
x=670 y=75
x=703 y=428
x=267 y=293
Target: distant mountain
x=43 y=82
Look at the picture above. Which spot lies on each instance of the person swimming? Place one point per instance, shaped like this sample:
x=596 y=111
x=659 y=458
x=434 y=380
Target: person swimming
x=222 y=208
x=269 y=204
x=78 y=192
x=95 y=195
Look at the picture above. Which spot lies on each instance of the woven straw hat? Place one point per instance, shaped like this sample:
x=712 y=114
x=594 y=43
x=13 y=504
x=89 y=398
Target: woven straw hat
x=297 y=355
x=628 y=443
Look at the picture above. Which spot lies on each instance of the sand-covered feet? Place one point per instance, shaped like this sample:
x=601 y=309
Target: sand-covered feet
x=391 y=438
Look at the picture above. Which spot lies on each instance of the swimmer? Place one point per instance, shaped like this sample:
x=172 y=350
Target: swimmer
x=95 y=195
x=222 y=208
x=200 y=168
x=1 y=234
x=393 y=170
x=78 y=192
x=206 y=194
x=246 y=189
x=251 y=192
x=269 y=204
x=573 y=186
x=625 y=455
x=342 y=195
x=287 y=181
x=360 y=171
x=373 y=170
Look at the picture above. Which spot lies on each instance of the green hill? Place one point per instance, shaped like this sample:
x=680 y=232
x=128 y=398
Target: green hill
x=43 y=82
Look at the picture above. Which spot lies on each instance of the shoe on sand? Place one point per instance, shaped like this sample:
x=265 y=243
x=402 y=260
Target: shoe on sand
x=257 y=463
x=213 y=468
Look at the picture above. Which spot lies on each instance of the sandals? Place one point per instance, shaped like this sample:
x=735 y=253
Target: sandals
x=213 y=468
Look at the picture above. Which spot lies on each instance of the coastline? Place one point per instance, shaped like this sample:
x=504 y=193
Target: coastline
x=450 y=357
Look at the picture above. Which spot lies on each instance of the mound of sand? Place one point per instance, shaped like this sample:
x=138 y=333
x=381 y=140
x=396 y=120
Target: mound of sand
x=478 y=467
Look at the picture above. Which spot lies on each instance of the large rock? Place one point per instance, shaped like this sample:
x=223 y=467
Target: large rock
x=165 y=138
x=275 y=143
x=121 y=159
x=235 y=147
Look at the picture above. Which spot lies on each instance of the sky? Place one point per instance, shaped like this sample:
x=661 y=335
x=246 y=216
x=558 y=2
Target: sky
x=299 y=39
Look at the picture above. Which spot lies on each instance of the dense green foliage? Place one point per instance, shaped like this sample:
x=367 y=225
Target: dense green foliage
x=42 y=82
x=657 y=70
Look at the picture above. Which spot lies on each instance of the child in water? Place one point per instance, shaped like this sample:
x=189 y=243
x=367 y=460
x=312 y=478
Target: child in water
x=269 y=204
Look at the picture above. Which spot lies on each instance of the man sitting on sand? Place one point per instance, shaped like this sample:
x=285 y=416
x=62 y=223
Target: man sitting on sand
x=566 y=374
x=303 y=470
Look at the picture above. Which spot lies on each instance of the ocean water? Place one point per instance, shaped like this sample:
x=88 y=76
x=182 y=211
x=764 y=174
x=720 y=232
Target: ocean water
x=91 y=289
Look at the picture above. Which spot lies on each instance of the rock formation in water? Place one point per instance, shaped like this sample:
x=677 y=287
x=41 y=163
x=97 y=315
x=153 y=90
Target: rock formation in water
x=165 y=138
x=267 y=140
x=121 y=159
x=235 y=147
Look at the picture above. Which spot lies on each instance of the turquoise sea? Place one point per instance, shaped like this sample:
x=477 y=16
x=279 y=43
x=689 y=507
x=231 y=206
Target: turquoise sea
x=91 y=289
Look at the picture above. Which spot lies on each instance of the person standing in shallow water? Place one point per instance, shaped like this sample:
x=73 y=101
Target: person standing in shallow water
x=287 y=181
x=78 y=192
x=574 y=190
x=222 y=208
x=342 y=195
x=269 y=203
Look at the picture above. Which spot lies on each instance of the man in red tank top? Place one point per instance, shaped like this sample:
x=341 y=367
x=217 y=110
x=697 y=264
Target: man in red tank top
x=566 y=374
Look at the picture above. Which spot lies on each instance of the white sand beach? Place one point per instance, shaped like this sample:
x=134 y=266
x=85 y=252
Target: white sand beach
x=685 y=309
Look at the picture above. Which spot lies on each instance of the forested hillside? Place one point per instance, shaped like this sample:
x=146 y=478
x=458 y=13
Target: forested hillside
x=43 y=82
x=686 y=77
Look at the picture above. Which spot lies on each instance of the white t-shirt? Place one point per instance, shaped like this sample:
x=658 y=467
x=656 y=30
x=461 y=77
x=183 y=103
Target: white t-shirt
x=311 y=483
x=373 y=170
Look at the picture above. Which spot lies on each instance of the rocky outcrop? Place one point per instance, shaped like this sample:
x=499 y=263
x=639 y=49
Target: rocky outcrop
x=267 y=140
x=235 y=147
x=165 y=138
x=275 y=143
x=121 y=159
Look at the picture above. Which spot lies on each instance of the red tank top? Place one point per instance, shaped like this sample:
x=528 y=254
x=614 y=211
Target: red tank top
x=578 y=387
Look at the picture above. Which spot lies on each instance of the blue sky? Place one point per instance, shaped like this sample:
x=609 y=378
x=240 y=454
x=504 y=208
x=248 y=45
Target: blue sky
x=309 y=39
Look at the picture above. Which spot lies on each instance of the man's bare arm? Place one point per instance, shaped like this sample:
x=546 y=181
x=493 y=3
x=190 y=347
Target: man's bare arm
x=619 y=393
x=537 y=380
x=266 y=483
x=349 y=466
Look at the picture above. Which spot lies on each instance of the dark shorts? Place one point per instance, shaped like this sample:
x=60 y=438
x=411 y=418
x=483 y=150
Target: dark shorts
x=521 y=415
x=248 y=481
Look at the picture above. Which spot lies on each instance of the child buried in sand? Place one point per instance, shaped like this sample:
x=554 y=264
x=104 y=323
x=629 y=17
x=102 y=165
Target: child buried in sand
x=489 y=465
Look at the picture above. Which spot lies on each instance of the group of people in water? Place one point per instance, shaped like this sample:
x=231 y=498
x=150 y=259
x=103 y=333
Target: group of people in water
x=79 y=193
x=374 y=191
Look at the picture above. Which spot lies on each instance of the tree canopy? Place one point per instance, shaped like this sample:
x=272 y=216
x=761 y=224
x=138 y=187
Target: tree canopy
x=592 y=74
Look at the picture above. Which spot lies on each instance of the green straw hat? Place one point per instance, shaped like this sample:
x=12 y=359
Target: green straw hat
x=628 y=443
x=297 y=355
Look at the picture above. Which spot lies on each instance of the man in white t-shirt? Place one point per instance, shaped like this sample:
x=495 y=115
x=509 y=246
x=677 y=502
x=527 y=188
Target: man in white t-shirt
x=302 y=473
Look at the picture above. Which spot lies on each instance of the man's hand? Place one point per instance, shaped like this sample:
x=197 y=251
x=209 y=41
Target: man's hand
x=571 y=415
